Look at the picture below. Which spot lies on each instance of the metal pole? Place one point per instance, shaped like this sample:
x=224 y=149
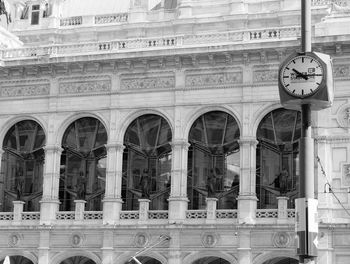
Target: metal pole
x=306 y=187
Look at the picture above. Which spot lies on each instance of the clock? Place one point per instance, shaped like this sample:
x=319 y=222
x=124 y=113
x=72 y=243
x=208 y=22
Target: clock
x=306 y=78
x=302 y=75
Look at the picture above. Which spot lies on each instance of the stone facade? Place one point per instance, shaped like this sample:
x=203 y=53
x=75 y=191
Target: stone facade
x=178 y=64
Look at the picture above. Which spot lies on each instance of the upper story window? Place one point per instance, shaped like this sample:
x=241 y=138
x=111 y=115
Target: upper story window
x=35 y=14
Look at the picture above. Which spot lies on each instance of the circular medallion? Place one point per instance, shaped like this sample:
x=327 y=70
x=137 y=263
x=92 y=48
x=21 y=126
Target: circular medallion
x=14 y=240
x=77 y=239
x=281 y=239
x=141 y=240
x=209 y=239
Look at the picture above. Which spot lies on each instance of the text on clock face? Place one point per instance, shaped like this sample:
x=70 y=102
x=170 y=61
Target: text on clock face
x=310 y=75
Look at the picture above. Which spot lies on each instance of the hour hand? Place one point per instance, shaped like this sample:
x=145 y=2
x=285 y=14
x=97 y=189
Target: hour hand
x=300 y=74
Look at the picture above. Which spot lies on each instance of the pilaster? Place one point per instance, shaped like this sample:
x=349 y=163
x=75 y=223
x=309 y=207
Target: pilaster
x=244 y=248
x=247 y=200
x=112 y=202
x=107 y=248
x=282 y=209
x=49 y=203
x=185 y=8
x=178 y=196
x=17 y=211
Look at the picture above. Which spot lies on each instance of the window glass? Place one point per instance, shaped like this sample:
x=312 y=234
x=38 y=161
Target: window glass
x=22 y=166
x=213 y=161
x=277 y=159
x=83 y=164
x=147 y=163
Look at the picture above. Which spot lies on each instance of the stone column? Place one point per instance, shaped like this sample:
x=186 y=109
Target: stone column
x=247 y=201
x=211 y=209
x=178 y=200
x=44 y=247
x=49 y=203
x=244 y=248
x=79 y=209
x=143 y=210
x=17 y=211
x=282 y=209
x=2 y=173
x=175 y=247
x=185 y=8
x=112 y=202
x=107 y=248
x=138 y=11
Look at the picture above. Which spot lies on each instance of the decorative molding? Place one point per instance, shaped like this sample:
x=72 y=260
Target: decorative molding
x=210 y=79
x=147 y=82
x=25 y=90
x=333 y=139
x=341 y=71
x=265 y=76
x=343 y=116
x=85 y=84
x=281 y=239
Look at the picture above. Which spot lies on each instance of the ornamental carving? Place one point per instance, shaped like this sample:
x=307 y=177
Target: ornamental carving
x=85 y=87
x=77 y=239
x=343 y=116
x=213 y=79
x=341 y=71
x=26 y=90
x=281 y=239
x=166 y=82
x=14 y=240
x=346 y=175
x=209 y=239
x=141 y=240
x=265 y=76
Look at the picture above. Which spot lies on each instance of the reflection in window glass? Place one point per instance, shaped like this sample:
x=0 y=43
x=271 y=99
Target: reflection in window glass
x=213 y=161
x=83 y=164
x=22 y=166
x=277 y=157
x=147 y=163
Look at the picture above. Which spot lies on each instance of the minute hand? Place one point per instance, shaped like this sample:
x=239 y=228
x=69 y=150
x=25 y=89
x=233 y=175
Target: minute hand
x=300 y=74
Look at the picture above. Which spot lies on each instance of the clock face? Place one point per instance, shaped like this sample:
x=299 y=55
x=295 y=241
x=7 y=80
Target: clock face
x=302 y=76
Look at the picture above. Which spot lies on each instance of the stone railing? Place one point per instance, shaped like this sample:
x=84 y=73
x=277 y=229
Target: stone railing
x=196 y=214
x=158 y=214
x=93 y=215
x=129 y=215
x=31 y=216
x=65 y=215
x=291 y=213
x=225 y=214
x=180 y=41
x=6 y=216
x=266 y=213
x=71 y=21
x=113 y=18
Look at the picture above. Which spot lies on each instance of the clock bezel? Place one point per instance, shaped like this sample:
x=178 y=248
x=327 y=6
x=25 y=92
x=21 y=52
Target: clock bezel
x=296 y=56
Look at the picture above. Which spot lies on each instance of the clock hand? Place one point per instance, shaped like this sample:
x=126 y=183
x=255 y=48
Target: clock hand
x=300 y=74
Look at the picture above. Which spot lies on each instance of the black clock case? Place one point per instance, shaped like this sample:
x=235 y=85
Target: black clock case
x=322 y=98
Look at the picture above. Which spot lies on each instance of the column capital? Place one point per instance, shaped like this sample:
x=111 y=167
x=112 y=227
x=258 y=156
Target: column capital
x=53 y=148
x=115 y=145
x=180 y=143
x=248 y=140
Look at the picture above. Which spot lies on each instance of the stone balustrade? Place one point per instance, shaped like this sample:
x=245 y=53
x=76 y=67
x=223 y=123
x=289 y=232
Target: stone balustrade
x=179 y=41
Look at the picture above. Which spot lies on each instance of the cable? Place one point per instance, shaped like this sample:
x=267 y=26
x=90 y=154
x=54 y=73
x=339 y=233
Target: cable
x=330 y=189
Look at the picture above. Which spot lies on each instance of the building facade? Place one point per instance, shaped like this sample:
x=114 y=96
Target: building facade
x=154 y=129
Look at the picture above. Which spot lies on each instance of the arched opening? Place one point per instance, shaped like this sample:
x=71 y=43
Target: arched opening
x=277 y=157
x=281 y=260
x=144 y=260
x=83 y=164
x=147 y=162
x=22 y=166
x=211 y=260
x=213 y=161
x=78 y=260
x=16 y=260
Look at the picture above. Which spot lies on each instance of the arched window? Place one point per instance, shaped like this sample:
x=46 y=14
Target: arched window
x=83 y=164
x=22 y=166
x=277 y=158
x=213 y=161
x=147 y=162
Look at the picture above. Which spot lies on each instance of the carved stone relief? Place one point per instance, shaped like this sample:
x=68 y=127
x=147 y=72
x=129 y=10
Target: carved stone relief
x=79 y=86
x=265 y=76
x=341 y=71
x=14 y=239
x=346 y=175
x=281 y=239
x=209 y=239
x=161 y=82
x=141 y=240
x=77 y=239
x=343 y=116
x=213 y=79
x=25 y=90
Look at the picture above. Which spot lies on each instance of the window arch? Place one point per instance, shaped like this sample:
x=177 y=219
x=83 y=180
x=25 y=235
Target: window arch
x=213 y=160
x=277 y=158
x=22 y=166
x=147 y=162
x=83 y=164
